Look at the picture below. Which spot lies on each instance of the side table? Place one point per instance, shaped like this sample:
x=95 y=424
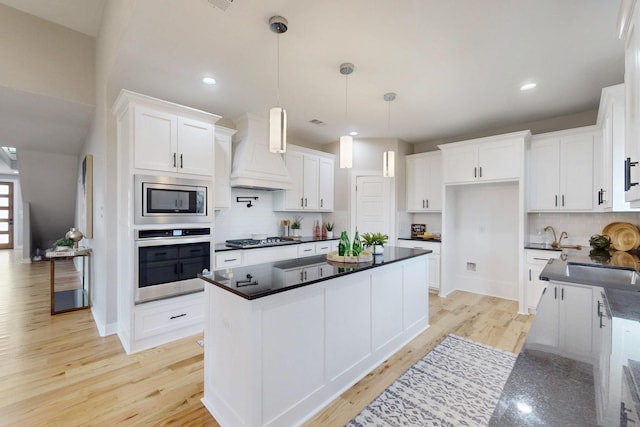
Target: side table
x=73 y=281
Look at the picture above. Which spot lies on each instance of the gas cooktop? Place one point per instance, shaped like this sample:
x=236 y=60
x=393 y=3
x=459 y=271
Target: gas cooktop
x=253 y=243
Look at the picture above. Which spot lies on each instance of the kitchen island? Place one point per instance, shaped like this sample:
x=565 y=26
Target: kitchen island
x=580 y=364
x=284 y=339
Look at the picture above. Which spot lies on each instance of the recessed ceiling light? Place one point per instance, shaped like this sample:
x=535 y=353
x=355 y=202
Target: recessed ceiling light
x=353 y=133
x=209 y=80
x=528 y=86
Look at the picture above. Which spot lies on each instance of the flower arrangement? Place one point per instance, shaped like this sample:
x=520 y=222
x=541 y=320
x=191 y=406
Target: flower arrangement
x=376 y=241
x=296 y=224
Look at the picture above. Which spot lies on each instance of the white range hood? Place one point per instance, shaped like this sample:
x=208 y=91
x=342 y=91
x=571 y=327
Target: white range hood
x=254 y=166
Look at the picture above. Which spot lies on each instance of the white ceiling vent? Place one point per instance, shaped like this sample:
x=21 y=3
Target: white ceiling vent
x=221 y=4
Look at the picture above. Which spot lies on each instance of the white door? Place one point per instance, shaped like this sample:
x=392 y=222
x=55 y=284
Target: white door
x=372 y=204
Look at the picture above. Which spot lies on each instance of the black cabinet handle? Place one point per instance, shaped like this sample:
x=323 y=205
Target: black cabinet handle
x=628 y=164
x=556 y=200
x=480 y=171
x=562 y=294
x=174 y=160
x=179 y=315
x=600 y=197
x=475 y=172
x=529 y=274
x=321 y=203
x=230 y=259
x=563 y=200
x=181 y=166
x=555 y=293
x=302 y=202
x=427 y=203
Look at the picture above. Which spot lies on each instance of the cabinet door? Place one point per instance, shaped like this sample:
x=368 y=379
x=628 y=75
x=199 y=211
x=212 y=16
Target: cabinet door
x=294 y=198
x=460 y=164
x=576 y=320
x=326 y=184
x=434 y=272
x=576 y=168
x=311 y=190
x=195 y=147
x=416 y=182
x=222 y=189
x=500 y=160
x=156 y=140
x=434 y=182
x=544 y=170
x=632 y=103
x=545 y=331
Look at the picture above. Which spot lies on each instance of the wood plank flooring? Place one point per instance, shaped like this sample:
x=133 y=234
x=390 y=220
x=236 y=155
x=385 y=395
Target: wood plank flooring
x=57 y=370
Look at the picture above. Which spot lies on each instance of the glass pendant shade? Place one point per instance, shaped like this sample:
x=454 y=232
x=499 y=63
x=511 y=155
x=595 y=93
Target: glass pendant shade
x=388 y=164
x=278 y=130
x=346 y=151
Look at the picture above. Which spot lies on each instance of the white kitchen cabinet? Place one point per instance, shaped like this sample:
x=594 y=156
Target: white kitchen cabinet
x=610 y=157
x=222 y=187
x=165 y=316
x=228 y=259
x=561 y=170
x=312 y=174
x=497 y=158
x=424 y=182
x=535 y=262
x=433 y=257
x=326 y=184
x=296 y=276
x=306 y=249
x=602 y=335
x=170 y=143
x=565 y=320
x=269 y=254
x=629 y=29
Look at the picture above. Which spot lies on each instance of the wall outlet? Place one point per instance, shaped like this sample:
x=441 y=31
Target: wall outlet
x=471 y=266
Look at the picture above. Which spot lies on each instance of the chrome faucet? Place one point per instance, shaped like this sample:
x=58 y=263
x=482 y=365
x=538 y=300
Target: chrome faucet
x=555 y=239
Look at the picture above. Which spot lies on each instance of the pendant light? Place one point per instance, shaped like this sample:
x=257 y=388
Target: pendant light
x=346 y=141
x=278 y=115
x=389 y=157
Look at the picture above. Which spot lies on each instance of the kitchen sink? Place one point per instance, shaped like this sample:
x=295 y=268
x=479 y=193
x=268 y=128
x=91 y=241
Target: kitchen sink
x=602 y=274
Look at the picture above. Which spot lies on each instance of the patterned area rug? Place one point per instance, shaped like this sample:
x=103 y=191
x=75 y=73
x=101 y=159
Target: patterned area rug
x=458 y=383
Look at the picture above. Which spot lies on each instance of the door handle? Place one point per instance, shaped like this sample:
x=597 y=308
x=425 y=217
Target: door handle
x=628 y=164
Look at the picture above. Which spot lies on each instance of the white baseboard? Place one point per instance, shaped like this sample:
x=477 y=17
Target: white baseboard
x=104 y=329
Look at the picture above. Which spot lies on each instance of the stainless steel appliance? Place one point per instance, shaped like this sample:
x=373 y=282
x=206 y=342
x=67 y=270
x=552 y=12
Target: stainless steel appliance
x=169 y=260
x=169 y=200
x=253 y=243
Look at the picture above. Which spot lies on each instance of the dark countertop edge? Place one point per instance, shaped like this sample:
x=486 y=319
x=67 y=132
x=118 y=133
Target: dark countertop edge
x=419 y=239
x=541 y=247
x=221 y=246
x=311 y=282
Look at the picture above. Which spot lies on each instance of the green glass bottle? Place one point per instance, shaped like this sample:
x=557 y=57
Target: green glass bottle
x=344 y=247
x=356 y=248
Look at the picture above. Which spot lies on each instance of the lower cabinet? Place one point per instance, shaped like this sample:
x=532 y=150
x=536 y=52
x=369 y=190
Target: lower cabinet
x=159 y=322
x=536 y=260
x=565 y=320
x=433 y=257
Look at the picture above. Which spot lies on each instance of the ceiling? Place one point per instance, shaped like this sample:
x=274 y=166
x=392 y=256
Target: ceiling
x=455 y=65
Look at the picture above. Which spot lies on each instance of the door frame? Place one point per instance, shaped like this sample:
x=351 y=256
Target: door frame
x=11 y=220
x=389 y=191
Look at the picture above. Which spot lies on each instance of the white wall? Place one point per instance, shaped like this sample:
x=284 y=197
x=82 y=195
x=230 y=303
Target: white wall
x=579 y=226
x=46 y=58
x=239 y=221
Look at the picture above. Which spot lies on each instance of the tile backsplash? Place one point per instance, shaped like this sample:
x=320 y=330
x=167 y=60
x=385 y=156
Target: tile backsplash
x=579 y=226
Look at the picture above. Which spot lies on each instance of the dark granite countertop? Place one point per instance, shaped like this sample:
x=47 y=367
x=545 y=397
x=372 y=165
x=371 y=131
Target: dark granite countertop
x=421 y=239
x=221 y=247
x=257 y=281
x=549 y=388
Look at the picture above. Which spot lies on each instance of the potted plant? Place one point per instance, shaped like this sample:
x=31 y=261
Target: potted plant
x=375 y=241
x=296 y=225
x=63 y=244
x=329 y=227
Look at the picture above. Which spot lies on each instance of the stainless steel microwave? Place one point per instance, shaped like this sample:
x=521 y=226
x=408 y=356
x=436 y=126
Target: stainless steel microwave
x=168 y=200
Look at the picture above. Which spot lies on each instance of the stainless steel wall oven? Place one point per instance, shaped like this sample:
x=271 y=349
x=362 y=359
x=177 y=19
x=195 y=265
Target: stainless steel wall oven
x=169 y=260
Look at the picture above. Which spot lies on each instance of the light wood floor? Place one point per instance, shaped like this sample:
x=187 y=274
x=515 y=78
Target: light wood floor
x=57 y=370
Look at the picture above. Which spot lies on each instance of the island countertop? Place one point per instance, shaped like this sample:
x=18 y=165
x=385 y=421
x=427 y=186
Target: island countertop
x=548 y=386
x=257 y=281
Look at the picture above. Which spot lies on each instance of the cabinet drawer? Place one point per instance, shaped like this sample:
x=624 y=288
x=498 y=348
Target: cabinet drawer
x=432 y=246
x=159 y=317
x=323 y=247
x=228 y=259
x=306 y=249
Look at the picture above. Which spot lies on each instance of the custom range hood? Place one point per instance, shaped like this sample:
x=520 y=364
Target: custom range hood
x=254 y=166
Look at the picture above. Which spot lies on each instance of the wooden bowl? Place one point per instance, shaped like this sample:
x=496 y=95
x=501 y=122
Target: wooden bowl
x=624 y=236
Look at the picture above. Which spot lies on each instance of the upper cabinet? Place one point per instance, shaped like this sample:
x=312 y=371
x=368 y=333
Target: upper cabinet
x=312 y=173
x=629 y=29
x=610 y=158
x=166 y=137
x=222 y=197
x=424 y=182
x=496 y=158
x=561 y=170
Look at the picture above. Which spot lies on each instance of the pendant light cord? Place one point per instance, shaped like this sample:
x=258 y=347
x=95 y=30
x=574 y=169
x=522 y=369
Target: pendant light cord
x=278 y=69
x=346 y=100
